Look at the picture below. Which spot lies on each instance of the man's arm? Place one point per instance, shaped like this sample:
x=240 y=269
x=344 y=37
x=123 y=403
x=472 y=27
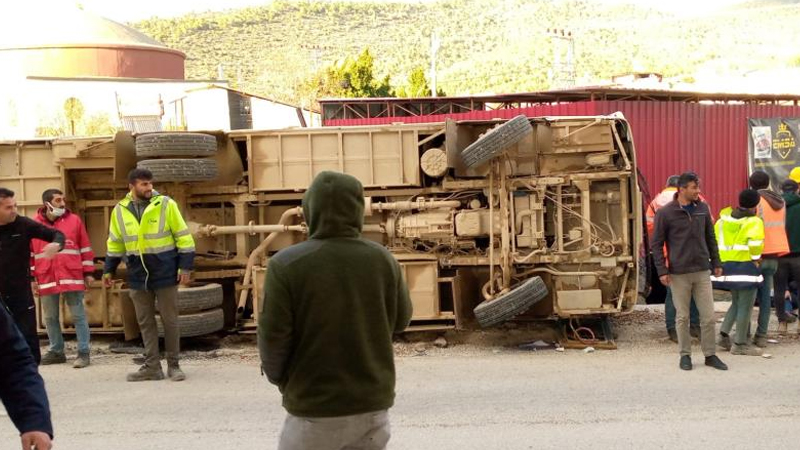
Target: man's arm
x=275 y=330
x=182 y=236
x=115 y=247
x=711 y=242
x=657 y=243
x=404 y=306
x=85 y=246
x=21 y=387
x=38 y=231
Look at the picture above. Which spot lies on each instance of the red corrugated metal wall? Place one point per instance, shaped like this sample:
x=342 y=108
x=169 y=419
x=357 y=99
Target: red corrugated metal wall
x=670 y=137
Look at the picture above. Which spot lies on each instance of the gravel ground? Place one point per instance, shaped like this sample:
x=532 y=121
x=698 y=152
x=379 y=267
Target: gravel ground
x=480 y=392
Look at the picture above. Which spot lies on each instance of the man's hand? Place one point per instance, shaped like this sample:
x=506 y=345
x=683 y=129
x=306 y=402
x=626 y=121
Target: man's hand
x=88 y=279
x=36 y=440
x=718 y=271
x=665 y=280
x=34 y=288
x=108 y=282
x=184 y=279
x=51 y=249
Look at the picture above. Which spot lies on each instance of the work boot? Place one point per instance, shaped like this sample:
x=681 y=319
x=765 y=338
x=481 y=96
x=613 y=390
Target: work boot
x=686 y=362
x=715 y=362
x=783 y=327
x=791 y=318
x=724 y=341
x=694 y=331
x=52 y=357
x=174 y=371
x=81 y=361
x=147 y=373
x=745 y=350
x=673 y=335
x=760 y=341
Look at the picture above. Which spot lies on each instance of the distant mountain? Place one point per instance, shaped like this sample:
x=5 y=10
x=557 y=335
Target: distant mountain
x=486 y=45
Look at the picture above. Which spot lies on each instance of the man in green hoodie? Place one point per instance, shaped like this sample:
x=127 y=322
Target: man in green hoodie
x=331 y=307
x=788 y=265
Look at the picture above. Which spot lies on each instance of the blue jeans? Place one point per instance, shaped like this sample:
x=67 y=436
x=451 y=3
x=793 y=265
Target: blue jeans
x=768 y=268
x=670 y=312
x=51 y=311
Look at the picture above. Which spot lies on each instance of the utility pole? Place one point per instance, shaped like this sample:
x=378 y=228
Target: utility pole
x=563 y=73
x=435 y=44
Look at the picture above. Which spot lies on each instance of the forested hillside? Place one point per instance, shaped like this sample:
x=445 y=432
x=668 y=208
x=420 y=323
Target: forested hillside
x=486 y=45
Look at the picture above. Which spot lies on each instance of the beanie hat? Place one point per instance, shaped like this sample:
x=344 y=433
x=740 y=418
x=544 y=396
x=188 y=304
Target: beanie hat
x=749 y=198
x=795 y=174
x=789 y=186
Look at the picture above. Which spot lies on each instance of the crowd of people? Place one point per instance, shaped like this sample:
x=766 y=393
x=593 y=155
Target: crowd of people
x=751 y=250
x=336 y=277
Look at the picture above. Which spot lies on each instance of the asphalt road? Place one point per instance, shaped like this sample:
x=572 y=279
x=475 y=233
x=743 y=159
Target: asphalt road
x=468 y=396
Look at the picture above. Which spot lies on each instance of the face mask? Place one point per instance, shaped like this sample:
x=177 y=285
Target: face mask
x=55 y=212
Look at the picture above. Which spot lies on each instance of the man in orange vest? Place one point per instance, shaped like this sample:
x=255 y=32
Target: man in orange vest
x=664 y=197
x=772 y=210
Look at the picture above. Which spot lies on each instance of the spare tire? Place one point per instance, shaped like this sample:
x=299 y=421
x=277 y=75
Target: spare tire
x=175 y=144
x=511 y=304
x=165 y=170
x=496 y=140
x=198 y=297
x=197 y=324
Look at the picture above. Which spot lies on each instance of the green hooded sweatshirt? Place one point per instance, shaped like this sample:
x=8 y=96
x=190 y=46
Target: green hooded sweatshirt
x=331 y=306
x=793 y=221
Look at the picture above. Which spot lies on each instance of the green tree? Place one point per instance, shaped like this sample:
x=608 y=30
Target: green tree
x=352 y=78
x=73 y=111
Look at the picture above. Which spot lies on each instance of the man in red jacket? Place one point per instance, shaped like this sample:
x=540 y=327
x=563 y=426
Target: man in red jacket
x=66 y=276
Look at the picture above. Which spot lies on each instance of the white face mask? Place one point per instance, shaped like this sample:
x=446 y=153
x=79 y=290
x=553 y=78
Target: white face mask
x=55 y=212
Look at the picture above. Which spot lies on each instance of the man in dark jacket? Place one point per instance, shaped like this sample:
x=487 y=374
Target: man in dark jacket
x=685 y=227
x=788 y=265
x=16 y=234
x=22 y=388
x=331 y=306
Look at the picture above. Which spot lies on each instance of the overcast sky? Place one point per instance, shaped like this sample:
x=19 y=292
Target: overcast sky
x=128 y=11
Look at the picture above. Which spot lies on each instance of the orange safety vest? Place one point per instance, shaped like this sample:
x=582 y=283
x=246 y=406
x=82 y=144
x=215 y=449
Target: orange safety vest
x=664 y=197
x=775 y=241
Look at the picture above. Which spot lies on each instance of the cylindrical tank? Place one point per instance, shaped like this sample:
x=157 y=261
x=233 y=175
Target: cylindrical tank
x=65 y=41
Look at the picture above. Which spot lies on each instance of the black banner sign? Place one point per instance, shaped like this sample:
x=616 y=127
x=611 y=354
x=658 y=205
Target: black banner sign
x=772 y=147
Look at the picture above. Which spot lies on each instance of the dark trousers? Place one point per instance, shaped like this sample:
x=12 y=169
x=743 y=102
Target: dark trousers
x=23 y=310
x=788 y=267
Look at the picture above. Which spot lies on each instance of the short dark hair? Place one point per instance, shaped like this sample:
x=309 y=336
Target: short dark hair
x=6 y=193
x=759 y=180
x=139 y=174
x=48 y=195
x=687 y=177
x=672 y=181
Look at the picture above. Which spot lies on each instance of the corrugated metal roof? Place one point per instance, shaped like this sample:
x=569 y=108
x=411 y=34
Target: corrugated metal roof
x=141 y=124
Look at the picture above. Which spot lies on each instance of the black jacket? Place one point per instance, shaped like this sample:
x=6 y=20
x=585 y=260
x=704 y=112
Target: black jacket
x=15 y=256
x=21 y=386
x=691 y=243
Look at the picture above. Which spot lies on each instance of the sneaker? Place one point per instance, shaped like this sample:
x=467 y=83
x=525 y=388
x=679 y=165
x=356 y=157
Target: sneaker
x=175 y=373
x=715 y=362
x=783 y=327
x=81 y=361
x=673 y=335
x=694 y=331
x=724 y=342
x=746 y=350
x=686 y=362
x=760 y=341
x=146 y=373
x=52 y=357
